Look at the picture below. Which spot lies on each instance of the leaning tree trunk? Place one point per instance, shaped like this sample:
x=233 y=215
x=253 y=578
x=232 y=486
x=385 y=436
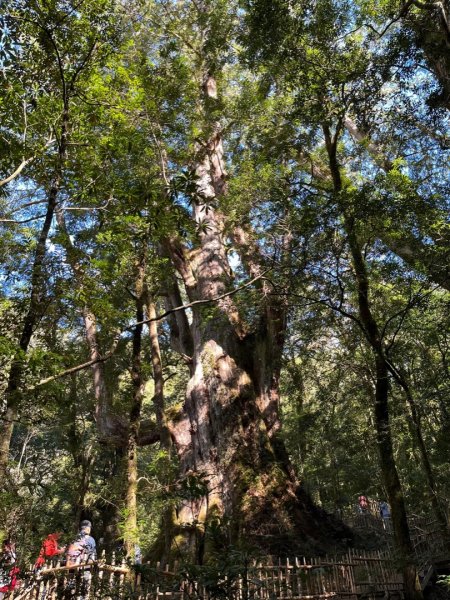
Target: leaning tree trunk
x=382 y=425
x=34 y=313
x=13 y=393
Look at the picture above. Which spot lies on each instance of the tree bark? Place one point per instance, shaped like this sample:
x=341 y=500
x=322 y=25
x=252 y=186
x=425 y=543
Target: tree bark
x=158 y=377
x=131 y=526
x=168 y=517
x=432 y=491
x=35 y=310
x=232 y=461
x=384 y=437
x=83 y=458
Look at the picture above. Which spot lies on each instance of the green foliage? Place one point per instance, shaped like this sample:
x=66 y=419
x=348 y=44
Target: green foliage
x=131 y=83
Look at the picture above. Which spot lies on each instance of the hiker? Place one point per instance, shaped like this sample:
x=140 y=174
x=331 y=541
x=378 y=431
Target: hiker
x=363 y=503
x=8 y=569
x=83 y=549
x=81 y=552
x=385 y=513
x=49 y=549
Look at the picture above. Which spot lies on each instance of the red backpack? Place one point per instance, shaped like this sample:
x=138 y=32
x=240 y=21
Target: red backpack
x=50 y=546
x=49 y=549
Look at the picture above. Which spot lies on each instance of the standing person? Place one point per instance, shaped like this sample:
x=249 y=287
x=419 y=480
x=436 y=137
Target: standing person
x=8 y=570
x=363 y=503
x=385 y=513
x=83 y=551
x=49 y=549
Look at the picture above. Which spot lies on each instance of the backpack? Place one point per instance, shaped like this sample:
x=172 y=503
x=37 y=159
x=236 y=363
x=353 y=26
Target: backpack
x=50 y=546
x=75 y=552
x=49 y=549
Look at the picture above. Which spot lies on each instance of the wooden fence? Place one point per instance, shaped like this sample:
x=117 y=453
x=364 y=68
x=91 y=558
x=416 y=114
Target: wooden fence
x=427 y=538
x=356 y=575
x=353 y=575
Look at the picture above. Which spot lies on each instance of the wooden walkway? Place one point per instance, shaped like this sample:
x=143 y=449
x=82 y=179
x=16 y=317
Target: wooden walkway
x=351 y=576
x=356 y=575
x=426 y=536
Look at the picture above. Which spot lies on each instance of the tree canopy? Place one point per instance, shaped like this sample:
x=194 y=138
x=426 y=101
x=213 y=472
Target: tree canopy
x=225 y=270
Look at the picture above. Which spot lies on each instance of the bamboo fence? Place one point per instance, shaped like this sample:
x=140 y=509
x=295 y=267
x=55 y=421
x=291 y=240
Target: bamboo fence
x=352 y=575
x=356 y=575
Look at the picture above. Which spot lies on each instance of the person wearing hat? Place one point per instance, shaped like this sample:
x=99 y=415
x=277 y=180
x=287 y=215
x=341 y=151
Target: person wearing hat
x=83 y=548
x=88 y=541
x=80 y=552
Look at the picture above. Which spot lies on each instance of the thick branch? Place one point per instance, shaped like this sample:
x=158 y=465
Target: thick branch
x=165 y=314
x=22 y=166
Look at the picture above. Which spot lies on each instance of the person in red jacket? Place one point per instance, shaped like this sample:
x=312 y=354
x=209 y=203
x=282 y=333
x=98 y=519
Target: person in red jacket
x=49 y=549
x=363 y=503
x=8 y=571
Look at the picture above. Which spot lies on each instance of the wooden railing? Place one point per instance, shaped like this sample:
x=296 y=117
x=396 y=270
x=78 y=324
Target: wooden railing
x=355 y=575
x=426 y=536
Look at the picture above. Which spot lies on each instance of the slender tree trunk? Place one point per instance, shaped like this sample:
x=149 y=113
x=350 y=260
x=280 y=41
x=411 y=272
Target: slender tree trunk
x=384 y=437
x=35 y=311
x=111 y=428
x=432 y=491
x=392 y=482
x=82 y=455
x=158 y=377
x=131 y=526
x=168 y=517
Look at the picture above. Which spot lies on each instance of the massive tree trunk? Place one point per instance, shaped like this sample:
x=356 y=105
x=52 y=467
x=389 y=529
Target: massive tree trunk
x=231 y=457
x=382 y=425
x=225 y=444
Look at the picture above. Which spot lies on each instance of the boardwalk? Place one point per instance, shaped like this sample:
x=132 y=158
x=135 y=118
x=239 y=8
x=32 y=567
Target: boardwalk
x=352 y=575
x=355 y=575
